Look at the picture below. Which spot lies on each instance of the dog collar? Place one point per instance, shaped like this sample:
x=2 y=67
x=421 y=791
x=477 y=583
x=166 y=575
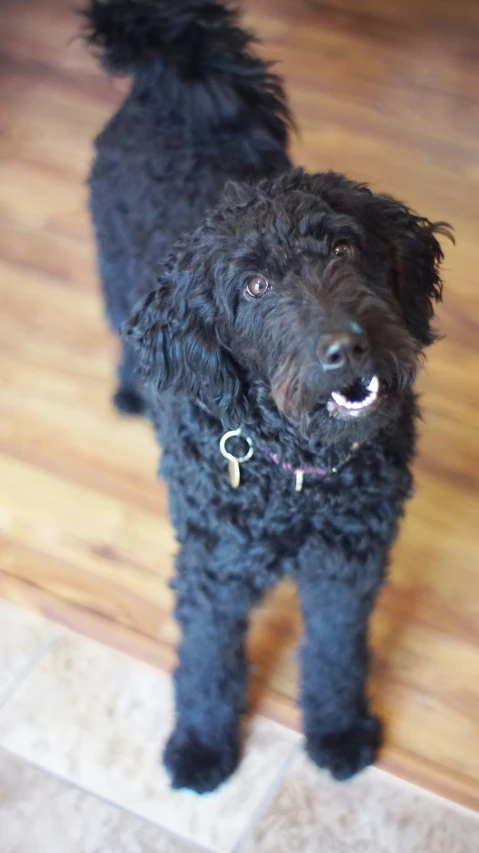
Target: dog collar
x=234 y=462
x=300 y=473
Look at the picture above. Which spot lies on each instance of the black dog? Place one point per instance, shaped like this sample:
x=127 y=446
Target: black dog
x=295 y=315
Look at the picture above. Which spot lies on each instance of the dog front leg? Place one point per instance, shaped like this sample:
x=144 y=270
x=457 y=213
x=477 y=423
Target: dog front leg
x=341 y=733
x=211 y=679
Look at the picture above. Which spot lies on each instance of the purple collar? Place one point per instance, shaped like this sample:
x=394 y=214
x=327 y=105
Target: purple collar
x=299 y=473
x=234 y=461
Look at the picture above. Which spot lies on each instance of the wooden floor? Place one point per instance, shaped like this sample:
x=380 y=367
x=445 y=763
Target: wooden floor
x=387 y=94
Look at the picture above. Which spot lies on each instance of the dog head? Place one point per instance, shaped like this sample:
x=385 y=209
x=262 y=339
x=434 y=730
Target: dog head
x=308 y=293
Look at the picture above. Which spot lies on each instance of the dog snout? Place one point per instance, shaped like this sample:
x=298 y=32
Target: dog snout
x=345 y=350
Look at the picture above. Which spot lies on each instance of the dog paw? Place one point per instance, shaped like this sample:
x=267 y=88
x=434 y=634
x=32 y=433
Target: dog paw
x=127 y=401
x=195 y=765
x=346 y=753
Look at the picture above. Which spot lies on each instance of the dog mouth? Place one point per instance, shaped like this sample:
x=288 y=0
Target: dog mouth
x=359 y=398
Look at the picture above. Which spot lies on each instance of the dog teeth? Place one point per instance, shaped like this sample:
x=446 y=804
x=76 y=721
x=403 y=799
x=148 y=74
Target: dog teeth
x=339 y=399
x=353 y=407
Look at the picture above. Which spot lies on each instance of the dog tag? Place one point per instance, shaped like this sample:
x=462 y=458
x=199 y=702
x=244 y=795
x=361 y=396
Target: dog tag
x=235 y=473
x=235 y=461
x=299 y=475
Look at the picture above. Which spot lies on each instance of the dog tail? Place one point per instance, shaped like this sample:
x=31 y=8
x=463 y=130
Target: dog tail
x=134 y=34
x=202 y=42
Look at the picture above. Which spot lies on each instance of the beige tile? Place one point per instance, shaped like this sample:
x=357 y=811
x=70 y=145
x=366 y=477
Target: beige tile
x=374 y=813
x=40 y=812
x=100 y=719
x=22 y=635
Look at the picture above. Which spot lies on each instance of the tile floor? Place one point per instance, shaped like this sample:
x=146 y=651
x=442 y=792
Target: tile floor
x=81 y=728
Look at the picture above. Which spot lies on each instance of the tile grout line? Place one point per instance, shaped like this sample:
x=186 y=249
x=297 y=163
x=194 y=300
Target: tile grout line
x=71 y=783
x=29 y=667
x=440 y=799
x=267 y=799
x=277 y=783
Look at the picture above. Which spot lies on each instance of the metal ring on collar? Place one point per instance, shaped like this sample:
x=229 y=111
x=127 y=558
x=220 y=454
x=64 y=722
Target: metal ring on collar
x=234 y=433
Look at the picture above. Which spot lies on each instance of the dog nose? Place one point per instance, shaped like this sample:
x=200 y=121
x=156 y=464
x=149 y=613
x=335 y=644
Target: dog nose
x=344 y=350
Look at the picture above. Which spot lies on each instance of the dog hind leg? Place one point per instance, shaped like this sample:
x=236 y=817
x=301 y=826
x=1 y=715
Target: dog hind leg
x=128 y=397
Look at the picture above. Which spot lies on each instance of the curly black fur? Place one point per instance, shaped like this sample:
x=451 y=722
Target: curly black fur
x=340 y=263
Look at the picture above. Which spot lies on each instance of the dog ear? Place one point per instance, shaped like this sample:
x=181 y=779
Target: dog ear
x=416 y=256
x=175 y=337
x=409 y=240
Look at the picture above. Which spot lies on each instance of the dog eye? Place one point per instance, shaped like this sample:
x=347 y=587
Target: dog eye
x=343 y=249
x=257 y=286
